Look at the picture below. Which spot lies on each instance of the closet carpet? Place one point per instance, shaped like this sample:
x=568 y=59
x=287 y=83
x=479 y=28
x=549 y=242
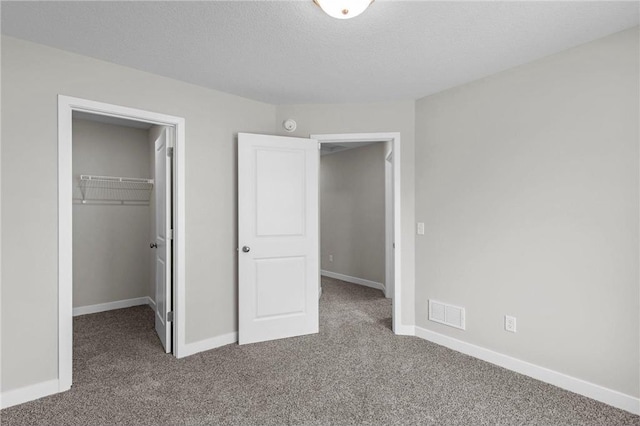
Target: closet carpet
x=355 y=371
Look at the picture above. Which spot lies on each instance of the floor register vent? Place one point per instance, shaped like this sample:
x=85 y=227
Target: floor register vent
x=446 y=314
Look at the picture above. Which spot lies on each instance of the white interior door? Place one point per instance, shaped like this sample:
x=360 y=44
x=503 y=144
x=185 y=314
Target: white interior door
x=278 y=237
x=163 y=238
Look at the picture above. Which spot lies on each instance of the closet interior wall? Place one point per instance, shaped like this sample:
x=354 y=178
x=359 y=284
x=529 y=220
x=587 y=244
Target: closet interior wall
x=111 y=254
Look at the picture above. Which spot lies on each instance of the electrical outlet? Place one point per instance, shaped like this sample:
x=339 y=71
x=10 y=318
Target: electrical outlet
x=510 y=323
x=330 y=258
x=420 y=228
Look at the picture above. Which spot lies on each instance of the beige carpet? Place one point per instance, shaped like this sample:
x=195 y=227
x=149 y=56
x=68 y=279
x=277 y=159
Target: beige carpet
x=355 y=371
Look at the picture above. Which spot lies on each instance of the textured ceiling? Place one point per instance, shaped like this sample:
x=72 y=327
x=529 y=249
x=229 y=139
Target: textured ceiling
x=285 y=52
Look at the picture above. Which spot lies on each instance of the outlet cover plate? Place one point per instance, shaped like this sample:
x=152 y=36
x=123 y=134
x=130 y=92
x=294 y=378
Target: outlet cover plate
x=510 y=323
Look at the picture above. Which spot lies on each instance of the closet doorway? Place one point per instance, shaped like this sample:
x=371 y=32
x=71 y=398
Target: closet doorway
x=121 y=218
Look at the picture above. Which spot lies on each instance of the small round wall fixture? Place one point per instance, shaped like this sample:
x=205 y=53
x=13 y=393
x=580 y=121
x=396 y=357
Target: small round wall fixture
x=289 y=125
x=343 y=9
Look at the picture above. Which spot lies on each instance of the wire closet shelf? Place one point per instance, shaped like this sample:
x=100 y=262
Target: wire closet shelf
x=115 y=190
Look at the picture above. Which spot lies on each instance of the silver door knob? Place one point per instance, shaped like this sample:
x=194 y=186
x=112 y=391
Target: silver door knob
x=246 y=249
x=153 y=245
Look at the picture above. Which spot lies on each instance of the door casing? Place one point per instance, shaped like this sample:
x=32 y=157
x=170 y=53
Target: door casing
x=66 y=106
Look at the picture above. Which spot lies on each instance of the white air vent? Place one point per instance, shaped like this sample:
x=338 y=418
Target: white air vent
x=446 y=314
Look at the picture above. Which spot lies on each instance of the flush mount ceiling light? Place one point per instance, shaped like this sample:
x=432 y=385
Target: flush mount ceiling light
x=343 y=9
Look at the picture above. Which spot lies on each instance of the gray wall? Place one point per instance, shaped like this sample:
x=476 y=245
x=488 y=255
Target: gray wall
x=352 y=226
x=366 y=118
x=110 y=242
x=29 y=193
x=528 y=186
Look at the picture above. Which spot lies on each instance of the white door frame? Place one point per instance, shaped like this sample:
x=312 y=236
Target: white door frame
x=394 y=139
x=66 y=106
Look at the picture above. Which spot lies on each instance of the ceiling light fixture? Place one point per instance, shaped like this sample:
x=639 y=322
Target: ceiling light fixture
x=343 y=9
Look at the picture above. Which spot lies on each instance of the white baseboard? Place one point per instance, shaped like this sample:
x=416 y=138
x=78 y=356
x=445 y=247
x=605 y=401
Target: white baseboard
x=353 y=280
x=29 y=393
x=151 y=303
x=208 y=344
x=404 y=330
x=118 y=304
x=579 y=386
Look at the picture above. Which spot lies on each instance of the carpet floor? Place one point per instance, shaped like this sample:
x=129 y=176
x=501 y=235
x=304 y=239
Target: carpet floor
x=355 y=371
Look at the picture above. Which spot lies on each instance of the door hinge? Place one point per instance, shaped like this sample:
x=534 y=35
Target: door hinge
x=170 y=235
x=319 y=146
x=170 y=316
x=170 y=151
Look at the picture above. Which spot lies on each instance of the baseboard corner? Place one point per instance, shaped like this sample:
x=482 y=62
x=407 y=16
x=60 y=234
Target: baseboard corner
x=151 y=303
x=404 y=330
